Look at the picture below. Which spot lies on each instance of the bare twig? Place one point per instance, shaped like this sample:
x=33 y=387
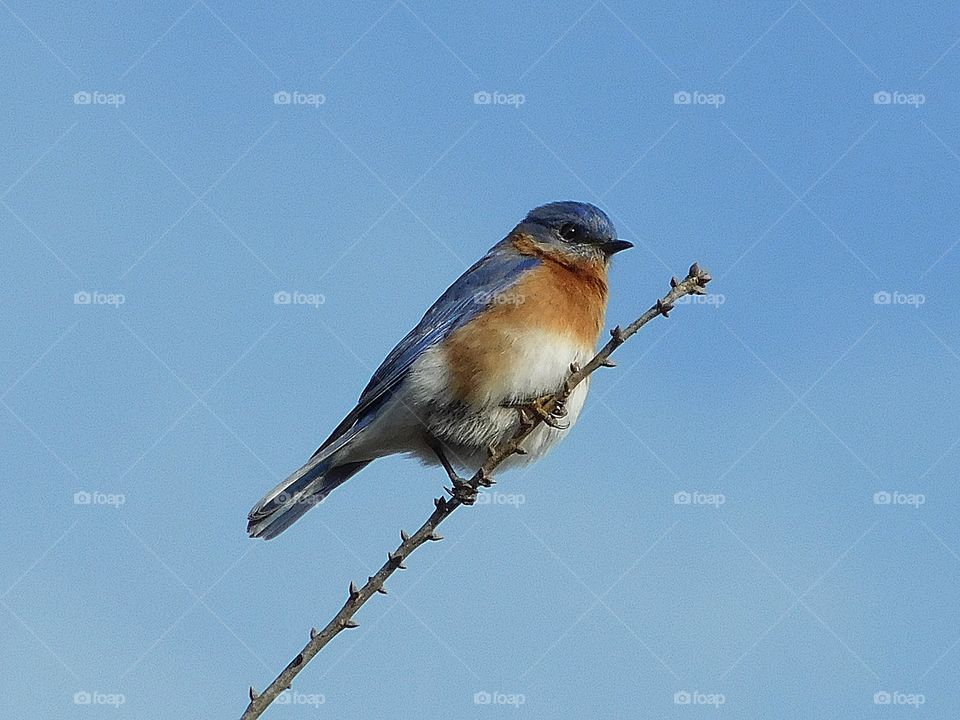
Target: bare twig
x=464 y=493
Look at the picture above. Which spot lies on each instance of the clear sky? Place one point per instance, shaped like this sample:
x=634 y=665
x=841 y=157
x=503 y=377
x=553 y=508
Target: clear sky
x=168 y=168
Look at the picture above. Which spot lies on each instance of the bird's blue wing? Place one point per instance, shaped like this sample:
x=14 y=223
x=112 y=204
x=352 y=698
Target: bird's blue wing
x=469 y=295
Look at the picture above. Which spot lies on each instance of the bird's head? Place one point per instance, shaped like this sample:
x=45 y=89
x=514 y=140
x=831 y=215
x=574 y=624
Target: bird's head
x=575 y=229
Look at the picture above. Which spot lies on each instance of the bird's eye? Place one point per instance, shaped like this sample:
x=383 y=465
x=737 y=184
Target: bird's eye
x=570 y=232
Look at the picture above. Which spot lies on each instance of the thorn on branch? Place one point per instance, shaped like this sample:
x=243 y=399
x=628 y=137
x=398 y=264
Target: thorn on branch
x=607 y=362
x=404 y=535
x=435 y=536
x=574 y=367
x=664 y=308
x=396 y=559
x=253 y=694
x=440 y=502
x=617 y=334
x=350 y=624
x=674 y=282
x=313 y=633
x=382 y=590
x=354 y=592
x=700 y=275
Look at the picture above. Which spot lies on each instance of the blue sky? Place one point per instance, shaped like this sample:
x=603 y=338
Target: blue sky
x=169 y=168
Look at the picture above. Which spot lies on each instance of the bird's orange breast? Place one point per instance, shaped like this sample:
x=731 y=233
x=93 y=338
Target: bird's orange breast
x=560 y=303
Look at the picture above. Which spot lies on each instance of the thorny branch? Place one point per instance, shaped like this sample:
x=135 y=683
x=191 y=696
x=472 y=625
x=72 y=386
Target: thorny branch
x=464 y=493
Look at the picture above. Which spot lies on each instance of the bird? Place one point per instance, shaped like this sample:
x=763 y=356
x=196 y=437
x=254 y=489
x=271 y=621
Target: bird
x=496 y=343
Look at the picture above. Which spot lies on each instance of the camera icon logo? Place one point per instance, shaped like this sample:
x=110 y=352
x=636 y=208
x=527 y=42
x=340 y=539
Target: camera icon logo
x=882 y=297
x=82 y=497
x=882 y=498
x=82 y=98
x=82 y=698
x=82 y=298
x=882 y=97
x=282 y=297
x=682 y=97
x=882 y=697
x=682 y=498
x=482 y=97
x=682 y=697
x=282 y=97
x=482 y=697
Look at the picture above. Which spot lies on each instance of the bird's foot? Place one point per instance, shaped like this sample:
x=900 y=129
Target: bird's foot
x=463 y=491
x=537 y=410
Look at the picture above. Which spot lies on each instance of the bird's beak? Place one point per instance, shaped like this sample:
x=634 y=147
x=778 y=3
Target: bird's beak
x=615 y=246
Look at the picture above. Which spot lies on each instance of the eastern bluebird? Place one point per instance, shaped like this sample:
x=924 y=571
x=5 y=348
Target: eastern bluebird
x=500 y=338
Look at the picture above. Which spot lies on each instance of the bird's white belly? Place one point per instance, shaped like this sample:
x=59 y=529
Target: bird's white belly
x=535 y=365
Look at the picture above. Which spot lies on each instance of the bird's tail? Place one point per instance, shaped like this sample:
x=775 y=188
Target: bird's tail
x=289 y=500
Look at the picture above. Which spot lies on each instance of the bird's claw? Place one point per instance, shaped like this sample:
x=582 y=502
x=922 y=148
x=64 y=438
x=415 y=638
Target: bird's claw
x=484 y=480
